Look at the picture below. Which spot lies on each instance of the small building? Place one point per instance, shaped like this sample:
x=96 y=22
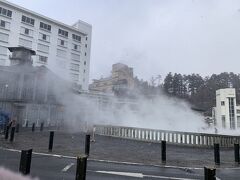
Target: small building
x=29 y=93
x=226 y=114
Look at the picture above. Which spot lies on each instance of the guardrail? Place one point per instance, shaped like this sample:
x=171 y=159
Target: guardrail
x=172 y=137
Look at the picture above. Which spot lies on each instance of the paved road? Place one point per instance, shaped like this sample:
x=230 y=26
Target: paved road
x=117 y=149
x=48 y=166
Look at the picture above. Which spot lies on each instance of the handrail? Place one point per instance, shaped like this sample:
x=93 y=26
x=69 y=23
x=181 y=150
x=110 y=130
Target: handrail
x=172 y=137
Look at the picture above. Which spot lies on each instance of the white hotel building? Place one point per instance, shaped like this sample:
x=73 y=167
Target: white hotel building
x=62 y=48
x=226 y=114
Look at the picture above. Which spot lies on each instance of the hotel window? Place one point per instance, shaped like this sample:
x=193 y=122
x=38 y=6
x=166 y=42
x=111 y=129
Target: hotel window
x=43 y=48
x=44 y=37
x=62 y=33
x=85 y=54
x=61 y=53
x=4 y=24
x=4 y=37
x=85 y=62
x=26 y=31
x=74 y=67
x=45 y=26
x=75 y=47
x=25 y=43
x=62 y=43
x=28 y=20
x=86 y=38
x=75 y=57
x=5 y=12
x=238 y=111
x=222 y=103
x=76 y=37
x=42 y=59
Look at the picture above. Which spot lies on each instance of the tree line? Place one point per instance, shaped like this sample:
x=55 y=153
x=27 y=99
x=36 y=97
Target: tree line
x=200 y=91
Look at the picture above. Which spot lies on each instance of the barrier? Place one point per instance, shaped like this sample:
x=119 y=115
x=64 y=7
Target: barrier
x=171 y=137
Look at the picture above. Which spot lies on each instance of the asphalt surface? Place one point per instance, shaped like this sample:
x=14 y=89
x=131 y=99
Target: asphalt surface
x=50 y=166
x=116 y=149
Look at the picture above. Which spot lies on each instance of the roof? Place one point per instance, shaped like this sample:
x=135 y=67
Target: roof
x=11 y=49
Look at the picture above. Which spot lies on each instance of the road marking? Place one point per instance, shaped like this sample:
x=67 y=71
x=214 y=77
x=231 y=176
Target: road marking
x=129 y=174
x=140 y=175
x=67 y=167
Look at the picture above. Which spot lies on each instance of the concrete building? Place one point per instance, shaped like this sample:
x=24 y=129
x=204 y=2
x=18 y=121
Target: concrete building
x=62 y=48
x=226 y=114
x=121 y=78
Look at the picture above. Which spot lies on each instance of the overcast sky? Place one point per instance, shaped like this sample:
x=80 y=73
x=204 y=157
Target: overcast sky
x=154 y=36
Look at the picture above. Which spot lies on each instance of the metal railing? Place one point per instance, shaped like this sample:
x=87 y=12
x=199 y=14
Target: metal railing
x=172 y=137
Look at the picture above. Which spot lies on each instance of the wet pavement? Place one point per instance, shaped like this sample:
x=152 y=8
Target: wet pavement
x=117 y=149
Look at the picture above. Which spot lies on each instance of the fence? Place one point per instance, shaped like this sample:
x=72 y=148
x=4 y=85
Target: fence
x=172 y=137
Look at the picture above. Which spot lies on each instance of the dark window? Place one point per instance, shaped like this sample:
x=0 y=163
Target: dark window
x=86 y=38
x=62 y=42
x=85 y=54
x=62 y=32
x=222 y=103
x=44 y=37
x=2 y=24
x=45 y=26
x=26 y=31
x=85 y=63
x=9 y=13
x=75 y=47
x=86 y=45
x=28 y=20
x=76 y=37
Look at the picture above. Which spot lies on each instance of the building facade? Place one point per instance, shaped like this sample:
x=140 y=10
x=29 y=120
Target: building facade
x=121 y=78
x=226 y=114
x=62 y=48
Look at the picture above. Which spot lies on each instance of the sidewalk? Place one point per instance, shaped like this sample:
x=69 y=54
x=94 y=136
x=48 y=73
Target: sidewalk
x=116 y=149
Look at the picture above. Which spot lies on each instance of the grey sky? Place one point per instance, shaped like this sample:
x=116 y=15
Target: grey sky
x=154 y=36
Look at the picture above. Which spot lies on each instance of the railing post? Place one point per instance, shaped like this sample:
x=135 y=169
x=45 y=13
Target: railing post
x=236 y=153
x=7 y=132
x=12 y=134
x=216 y=154
x=87 y=144
x=33 y=127
x=25 y=161
x=163 y=152
x=41 y=126
x=209 y=173
x=17 y=127
x=81 y=168
x=50 y=146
